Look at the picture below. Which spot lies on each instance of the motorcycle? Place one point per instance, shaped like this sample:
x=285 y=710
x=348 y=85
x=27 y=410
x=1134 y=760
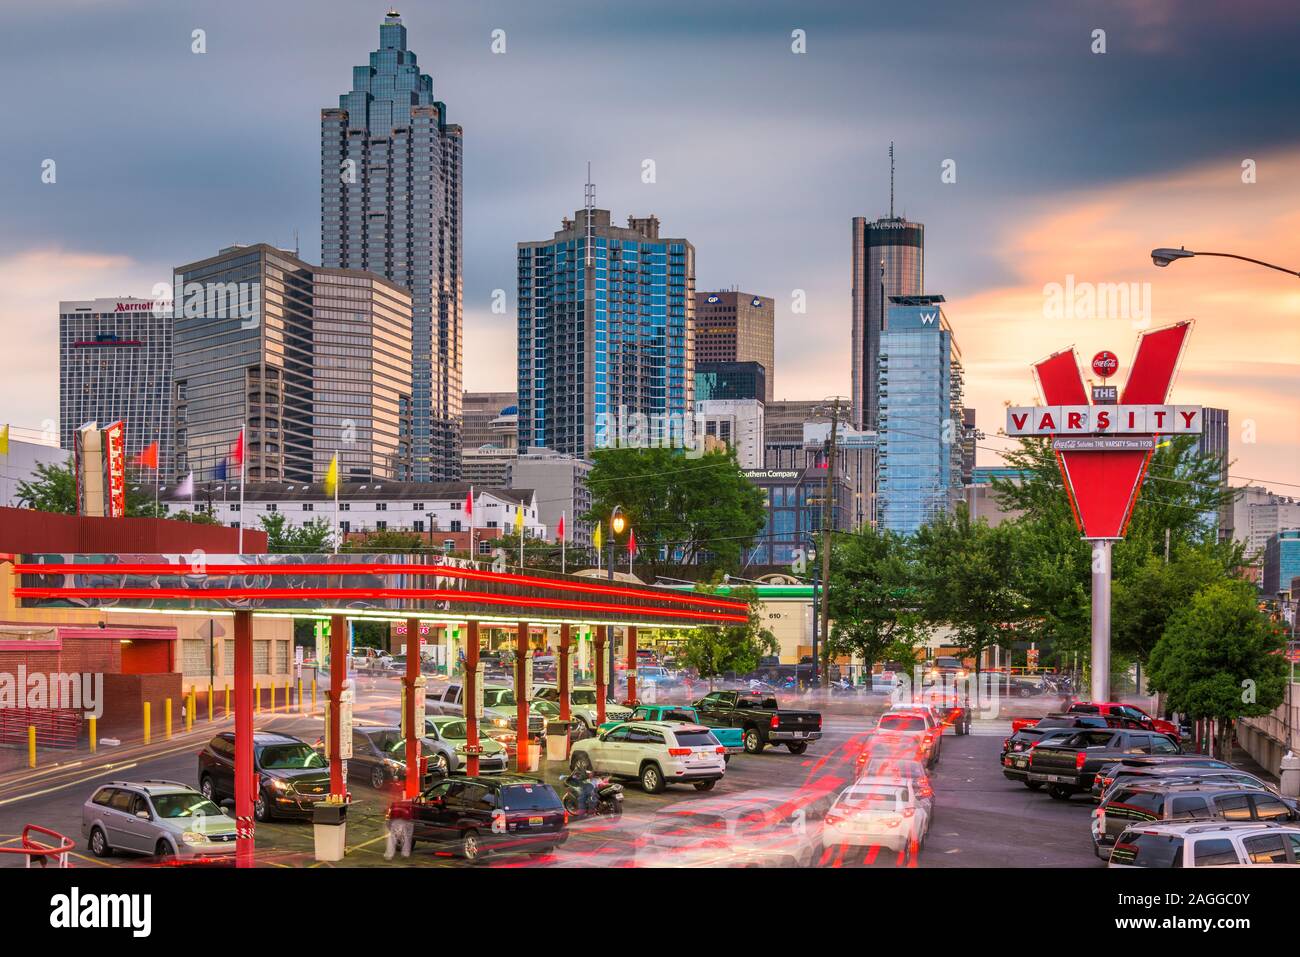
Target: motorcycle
x=582 y=791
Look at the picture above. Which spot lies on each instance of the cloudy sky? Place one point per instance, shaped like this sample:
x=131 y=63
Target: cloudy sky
x=1070 y=165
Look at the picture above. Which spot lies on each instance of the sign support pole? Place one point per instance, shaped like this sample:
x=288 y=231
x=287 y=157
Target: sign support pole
x=1101 y=579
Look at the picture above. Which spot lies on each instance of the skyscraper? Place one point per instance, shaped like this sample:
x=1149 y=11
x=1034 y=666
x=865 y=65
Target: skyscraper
x=888 y=260
x=391 y=204
x=919 y=397
x=732 y=326
x=313 y=361
x=605 y=332
x=115 y=362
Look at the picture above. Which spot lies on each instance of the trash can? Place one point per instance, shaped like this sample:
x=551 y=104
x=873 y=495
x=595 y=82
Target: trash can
x=330 y=826
x=557 y=740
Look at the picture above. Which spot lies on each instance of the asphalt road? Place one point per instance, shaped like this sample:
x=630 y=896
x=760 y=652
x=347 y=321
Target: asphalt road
x=980 y=818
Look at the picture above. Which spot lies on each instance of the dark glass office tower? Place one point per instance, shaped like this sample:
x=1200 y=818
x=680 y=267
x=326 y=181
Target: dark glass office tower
x=391 y=204
x=888 y=260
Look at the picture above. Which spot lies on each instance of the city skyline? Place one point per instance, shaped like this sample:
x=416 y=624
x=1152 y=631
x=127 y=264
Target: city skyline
x=1101 y=189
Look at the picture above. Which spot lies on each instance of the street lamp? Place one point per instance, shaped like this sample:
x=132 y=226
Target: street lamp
x=429 y=515
x=1164 y=255
x=617 y=522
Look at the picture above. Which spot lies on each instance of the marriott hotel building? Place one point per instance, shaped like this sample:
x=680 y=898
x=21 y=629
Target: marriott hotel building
x=115 y=363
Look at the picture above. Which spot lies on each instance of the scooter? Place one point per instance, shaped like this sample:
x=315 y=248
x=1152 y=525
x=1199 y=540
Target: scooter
x=609 y=796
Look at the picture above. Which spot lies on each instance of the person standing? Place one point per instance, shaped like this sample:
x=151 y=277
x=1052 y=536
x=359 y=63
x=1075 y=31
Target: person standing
x=401 y=828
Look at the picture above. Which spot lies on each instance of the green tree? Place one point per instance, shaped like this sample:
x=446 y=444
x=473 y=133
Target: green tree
x=1220 y=658
x=683 y=510
x=873 y=596
x=311 y=537
x=713 y=650
x=387 y=540
x=53 y=488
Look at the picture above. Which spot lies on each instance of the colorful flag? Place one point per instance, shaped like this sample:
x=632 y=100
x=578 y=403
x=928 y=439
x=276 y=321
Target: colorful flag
x=519 y=520
x=469 y=501
x=631 y=543
x=237 y=452
x=559 y=530
x=595 y=536
x=186 y=488
x=4 y=440
x=149 y=457
x=332 y=476
x=219 y=473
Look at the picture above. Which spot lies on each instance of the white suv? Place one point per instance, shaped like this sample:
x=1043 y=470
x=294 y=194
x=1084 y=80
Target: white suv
x=582 y=704
x=1208 y=844
x=658 y=753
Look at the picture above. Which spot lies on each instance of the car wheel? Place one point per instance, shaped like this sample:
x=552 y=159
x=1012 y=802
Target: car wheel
x=99 y=843
x=378 y=778
x=208 y=789
x=441 y=765
x=261 y=810
x=469 y=846
x=753 y=741
x=704 y=785
x=580 y=762
x=570 y=804
x=162 y=849
x=652 y=779
x=1034 y=785
x=1060 y=792
x=797 y=747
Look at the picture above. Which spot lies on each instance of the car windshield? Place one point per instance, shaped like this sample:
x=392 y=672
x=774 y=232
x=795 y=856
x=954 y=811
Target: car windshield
x=285 y=757
x=398 y=748
x=529 y=797
x=583 y=697
x=498 y=698
x=171 y=806
x=876 y=797
x=901 y=722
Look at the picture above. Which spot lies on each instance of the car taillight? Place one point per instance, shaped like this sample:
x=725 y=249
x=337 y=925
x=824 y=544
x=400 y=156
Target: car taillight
x=1079 y=759
x=1006 y=744
x=775 y=722
x=833 y=819
x=566 y=815
x=908 y=811
x=720 y=749
x=679 y=752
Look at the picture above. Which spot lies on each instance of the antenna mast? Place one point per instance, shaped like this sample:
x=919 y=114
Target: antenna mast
x=891 y=179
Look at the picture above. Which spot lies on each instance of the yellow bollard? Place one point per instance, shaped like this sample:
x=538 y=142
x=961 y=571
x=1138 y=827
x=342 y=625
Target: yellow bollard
x=94 y=734
x=227 y=700
x=313 y=695
x=31 y=745
x=148 y=725
x=167 y=717
x=189 y=715
x=257 y=696
x=209 y=701
x=287 y=700
x=300 y=696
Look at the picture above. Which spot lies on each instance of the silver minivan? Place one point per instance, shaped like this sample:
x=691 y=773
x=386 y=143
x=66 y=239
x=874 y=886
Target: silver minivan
x=159 y=818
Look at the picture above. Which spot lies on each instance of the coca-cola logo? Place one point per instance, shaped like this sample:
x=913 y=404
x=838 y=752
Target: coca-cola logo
x=1105 y=363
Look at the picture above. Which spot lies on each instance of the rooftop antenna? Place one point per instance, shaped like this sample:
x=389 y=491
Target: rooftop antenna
x=590 y=196
x=891 y=179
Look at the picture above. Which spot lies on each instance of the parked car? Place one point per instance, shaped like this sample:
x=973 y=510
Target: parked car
x=1069 y=765
x=1127 y=711
x=877 y=812
x=657 y=754
x=765 y=827
x=1124 y=777
x=448 y=735
x=500 y=711
x=370 y=659
x=294 y=776
x=499 y=814
x=1134 y=805
x=155 y=817
x=731 y=739
x=1064 y=720
x=761 y=720
x=582 y=704
x=1199 y=844
x=379 y=758
x=1139 y=764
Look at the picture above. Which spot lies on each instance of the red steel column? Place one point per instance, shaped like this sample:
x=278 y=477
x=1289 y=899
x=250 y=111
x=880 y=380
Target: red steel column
x=467 y=696
x=413 y=734
x=631 y=666
x=566 y=649
x=338 y=675
x=602 y=637
x=521 y=704
x=244 y=782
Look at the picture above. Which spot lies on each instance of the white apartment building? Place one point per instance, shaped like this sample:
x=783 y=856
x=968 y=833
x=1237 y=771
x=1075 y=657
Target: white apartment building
x=737 y=423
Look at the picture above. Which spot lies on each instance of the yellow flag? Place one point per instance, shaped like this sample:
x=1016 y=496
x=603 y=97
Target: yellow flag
x=595 y=536
x=4 y=440
x=332 y=476
x=519 y=520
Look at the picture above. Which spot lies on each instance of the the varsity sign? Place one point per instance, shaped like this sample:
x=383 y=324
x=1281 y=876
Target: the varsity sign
x=1103 y=447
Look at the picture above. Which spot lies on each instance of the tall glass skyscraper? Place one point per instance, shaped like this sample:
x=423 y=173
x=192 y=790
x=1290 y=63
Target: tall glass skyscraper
x=919 y=396
x=888 y=260
x=605 y=337
x=391 y=204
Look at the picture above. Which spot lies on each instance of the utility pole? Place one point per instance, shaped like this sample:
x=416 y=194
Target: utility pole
x=828 y=522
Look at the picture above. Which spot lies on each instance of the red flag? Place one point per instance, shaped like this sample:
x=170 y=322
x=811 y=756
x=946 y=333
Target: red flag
x=631 y=542
x=469 y=501
x=559 y=531
x=237 y=453
x=149 y=457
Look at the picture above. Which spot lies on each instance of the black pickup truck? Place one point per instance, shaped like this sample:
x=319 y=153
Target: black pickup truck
x=1069 y=766
x=762 y=721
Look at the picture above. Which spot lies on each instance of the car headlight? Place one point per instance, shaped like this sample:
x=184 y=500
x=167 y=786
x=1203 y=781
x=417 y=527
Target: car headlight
x=393 y=764
x=281 y=785
x=501 y=722
x=194 y=837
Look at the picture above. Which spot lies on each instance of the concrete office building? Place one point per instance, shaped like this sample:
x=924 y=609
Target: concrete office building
x=733 y=326
x=559 y=485
x=484 y=419
x=391 y=203
x=115 y=363
x=605 y=332
x=313 y=361
x=737 y=424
